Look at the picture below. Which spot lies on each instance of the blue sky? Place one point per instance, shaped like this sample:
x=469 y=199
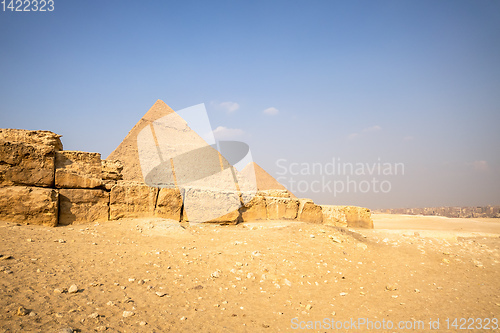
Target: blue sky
x=413 y=82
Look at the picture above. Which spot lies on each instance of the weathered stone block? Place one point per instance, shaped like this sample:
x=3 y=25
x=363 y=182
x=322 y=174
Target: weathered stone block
x=274 y=193
x=282 y=208
x=205 y=205
x=43 y=138
x=131 y=200
x=358 y=217
x=29 y=205
x=334 y=215
x=347 y=216
x=254 y=210
x=77 y=206
x=78 y=169
x=111 y=170
x=169 y=204
x=26 y=164
x=309 y=211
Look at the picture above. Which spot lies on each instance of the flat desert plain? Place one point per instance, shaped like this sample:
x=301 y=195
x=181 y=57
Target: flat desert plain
x=156 y=275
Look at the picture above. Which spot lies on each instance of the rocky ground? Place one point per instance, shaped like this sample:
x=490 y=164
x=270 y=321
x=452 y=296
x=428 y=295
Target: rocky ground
x=154 y=275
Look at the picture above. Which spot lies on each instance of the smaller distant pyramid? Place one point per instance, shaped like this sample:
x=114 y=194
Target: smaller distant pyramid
x=263 y=179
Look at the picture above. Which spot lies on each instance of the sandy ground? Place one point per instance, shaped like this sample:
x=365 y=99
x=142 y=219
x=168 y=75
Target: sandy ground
x=267 y=276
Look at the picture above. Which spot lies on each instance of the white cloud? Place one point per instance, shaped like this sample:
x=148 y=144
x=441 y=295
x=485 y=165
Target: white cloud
x=481 y=166
x=375 y=128
x=353 y=136
x=224 y=133
x=271 y=111
x=228 y=107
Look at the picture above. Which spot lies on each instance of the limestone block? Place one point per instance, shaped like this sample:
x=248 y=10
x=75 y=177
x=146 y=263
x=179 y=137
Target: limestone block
x=334 y=215
x=279 y=208
x=274 y=193
x=111 y=170
x=78 y=206
x=26 y=164
x=255 y=209
x=78 y=169
x=358 y=217
x=169 y=204
x=108 y=184
x=309 y=211
x=132 y=200
x=215 y=206
x=43 y=138
x=347 y=216
x=29 y=205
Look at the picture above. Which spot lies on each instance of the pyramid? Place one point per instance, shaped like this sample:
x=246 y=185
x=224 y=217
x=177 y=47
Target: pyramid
x=263 y=179
x=127 y=152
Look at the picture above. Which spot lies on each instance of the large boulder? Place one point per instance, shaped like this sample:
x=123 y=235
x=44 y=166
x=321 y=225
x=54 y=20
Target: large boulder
x=169 y=204
x=26 y=164
x=78 y=169
x=29 y=205
x=309 y=212
x=255 y=208
x=132 y=200
x=279 y=208
x=42 y=138
x=78 y=206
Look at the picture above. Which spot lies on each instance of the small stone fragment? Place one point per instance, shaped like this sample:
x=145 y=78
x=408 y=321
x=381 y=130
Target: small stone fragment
x=127 y=314
x=66 y=330
x=22 y=311
x=73 y=289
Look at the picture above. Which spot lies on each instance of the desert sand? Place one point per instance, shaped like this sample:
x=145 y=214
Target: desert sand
x=158 y=275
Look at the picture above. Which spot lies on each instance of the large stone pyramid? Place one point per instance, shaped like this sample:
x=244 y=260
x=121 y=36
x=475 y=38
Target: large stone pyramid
x=264 y=180
x=163 y=151
x=127 y=151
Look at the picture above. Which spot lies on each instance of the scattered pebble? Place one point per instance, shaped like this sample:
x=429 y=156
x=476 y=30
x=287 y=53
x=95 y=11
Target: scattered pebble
x=73 y=289
x=127 y=314
x=22 y=311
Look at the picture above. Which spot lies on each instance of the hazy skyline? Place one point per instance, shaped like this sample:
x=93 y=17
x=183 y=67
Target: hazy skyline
x=319 y=82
